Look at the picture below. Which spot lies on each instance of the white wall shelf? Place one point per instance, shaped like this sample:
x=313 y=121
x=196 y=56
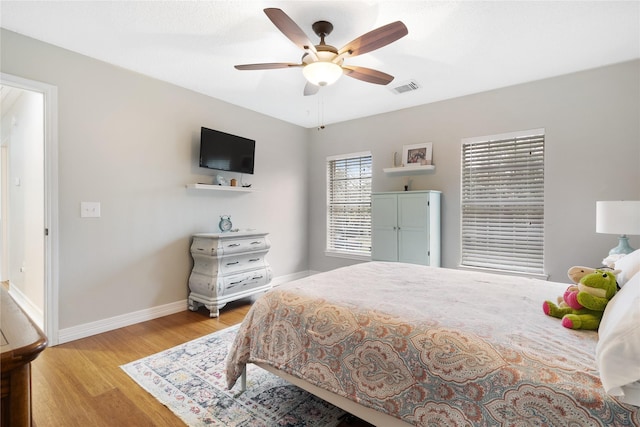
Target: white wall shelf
x=213 y=187
x=410 y=170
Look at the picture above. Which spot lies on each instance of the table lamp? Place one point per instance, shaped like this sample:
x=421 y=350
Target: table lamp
x=618 y=217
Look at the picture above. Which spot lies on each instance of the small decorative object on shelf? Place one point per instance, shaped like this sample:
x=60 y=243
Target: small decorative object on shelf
x=225 y=223
x=417 y=154
x=221 y=180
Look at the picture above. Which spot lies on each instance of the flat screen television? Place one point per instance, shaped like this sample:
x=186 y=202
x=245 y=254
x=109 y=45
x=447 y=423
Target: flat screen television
x=226 y=152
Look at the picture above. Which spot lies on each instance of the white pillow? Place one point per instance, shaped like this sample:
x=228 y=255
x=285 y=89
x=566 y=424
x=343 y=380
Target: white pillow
x=618 y=348
x=628 y=265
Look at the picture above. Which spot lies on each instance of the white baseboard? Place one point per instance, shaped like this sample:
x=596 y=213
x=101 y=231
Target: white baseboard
x=93 y=328
x=106 y=325
x=34 y=312
x=277 y=281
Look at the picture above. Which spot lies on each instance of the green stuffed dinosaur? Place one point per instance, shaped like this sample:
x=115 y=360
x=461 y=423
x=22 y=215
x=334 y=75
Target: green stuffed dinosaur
x=594 y=292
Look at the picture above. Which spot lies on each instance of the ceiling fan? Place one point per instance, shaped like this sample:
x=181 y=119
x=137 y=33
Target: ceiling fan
x=322 y=63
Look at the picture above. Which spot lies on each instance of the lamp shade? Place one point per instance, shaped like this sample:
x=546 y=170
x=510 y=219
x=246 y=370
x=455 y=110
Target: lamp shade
x=322 y=73
x=618 y=217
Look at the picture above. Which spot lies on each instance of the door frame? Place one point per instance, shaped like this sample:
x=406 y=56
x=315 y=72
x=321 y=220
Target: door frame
x=51 y=240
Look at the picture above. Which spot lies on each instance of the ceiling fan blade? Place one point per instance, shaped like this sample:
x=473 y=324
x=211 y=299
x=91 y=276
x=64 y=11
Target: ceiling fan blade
x=266 y=66
x=368 y=75
x=375 y=39
x=310 y=89
x=289 y=28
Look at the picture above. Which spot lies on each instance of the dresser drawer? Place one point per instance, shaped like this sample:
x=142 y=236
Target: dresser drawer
x=234 y=246
x=204 y=246
x=245 y=281
x=242 y=262
x=205 y=264
x=203 y=284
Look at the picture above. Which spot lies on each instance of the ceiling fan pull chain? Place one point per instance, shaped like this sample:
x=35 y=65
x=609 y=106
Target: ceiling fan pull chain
x=320 y=112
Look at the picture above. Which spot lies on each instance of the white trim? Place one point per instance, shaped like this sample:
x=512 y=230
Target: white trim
x=347 y=255
x=504 y=272
x=105 y=325
x=349 y=156
x=277 y=281
x=4 y=209
x=32 y=310
x=498 y=137
x=50 y=93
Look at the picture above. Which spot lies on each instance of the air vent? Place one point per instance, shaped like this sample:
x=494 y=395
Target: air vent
x=408 y=86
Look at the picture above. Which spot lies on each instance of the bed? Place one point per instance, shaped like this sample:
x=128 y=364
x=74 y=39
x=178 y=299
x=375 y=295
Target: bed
x=402 y=344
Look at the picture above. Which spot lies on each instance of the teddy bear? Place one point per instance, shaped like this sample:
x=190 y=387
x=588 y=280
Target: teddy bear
x=590 y=295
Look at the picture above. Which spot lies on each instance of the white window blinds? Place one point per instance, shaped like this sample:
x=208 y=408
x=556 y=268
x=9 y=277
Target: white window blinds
x=502 y=202
x=349 y=204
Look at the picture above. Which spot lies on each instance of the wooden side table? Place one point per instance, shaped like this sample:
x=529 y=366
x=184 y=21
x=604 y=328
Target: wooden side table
x=21 y=342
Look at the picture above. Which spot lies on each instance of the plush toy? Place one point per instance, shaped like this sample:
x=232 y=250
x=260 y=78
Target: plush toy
x=570 y=296
x=569 y=299
x=594 y=290
x=578 y=272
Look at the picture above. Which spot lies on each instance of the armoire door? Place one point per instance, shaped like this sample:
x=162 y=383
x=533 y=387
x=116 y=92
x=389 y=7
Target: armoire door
x=384 y=220
x=413 y=228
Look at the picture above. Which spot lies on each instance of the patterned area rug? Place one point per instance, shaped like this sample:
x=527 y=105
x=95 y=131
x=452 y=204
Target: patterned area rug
x=189 y=379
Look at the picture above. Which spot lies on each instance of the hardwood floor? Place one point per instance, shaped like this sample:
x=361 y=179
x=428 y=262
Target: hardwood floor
x=81 y=384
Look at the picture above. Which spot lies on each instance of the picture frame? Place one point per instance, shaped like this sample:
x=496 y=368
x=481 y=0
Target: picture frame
x=417 y=154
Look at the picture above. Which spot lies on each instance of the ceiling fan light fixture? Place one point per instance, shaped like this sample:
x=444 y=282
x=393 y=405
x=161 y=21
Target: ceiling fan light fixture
x=321 y=73
x=322 y=63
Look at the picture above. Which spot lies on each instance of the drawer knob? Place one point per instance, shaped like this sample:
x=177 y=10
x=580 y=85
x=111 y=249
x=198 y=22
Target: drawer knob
x=254 y=259
x=234 y=245
x=233 y=263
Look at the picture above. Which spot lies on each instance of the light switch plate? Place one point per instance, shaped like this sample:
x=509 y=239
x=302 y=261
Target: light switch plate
x=90 y=209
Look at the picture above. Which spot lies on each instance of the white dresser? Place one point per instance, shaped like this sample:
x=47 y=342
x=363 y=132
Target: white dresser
x=227 y=267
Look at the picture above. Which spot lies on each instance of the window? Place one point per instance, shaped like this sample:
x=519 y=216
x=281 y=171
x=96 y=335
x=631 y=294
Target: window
x=502 y=201
x=349 y=205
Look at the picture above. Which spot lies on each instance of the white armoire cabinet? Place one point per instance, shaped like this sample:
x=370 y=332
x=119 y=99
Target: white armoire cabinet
x=405 y=227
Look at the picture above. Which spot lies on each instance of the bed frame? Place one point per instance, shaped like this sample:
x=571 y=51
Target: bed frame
x=364 y=413
x=469 y=362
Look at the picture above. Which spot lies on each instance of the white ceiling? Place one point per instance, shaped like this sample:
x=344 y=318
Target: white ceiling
x=453 y=48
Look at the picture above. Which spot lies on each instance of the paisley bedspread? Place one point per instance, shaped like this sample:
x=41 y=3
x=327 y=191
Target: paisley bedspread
x=432 y=346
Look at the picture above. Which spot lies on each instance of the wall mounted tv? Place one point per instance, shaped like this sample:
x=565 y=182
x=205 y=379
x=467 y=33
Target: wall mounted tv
x=223 y=151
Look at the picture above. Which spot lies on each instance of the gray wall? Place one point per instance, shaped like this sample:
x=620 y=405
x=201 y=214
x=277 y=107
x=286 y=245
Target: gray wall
x=592 y=122
x=131 y=143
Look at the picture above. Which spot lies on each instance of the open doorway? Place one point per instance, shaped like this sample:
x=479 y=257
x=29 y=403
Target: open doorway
x=28 y=202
